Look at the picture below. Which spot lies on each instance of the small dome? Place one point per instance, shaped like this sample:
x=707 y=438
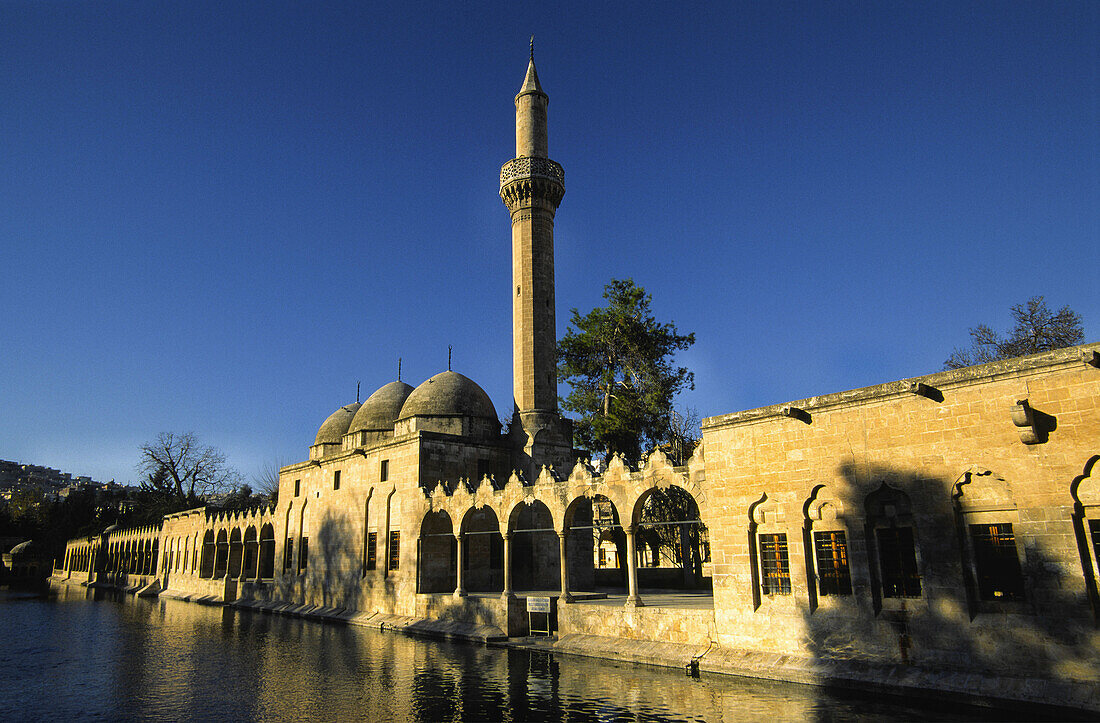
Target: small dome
x=449 y=394
x=336 y=426
x=380 y=411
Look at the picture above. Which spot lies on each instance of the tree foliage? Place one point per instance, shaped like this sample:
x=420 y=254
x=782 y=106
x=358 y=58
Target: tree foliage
x=181 y=470
x=1036 y=329
x=618 y=360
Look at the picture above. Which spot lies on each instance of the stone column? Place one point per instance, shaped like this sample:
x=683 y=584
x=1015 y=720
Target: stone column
x=460 y=584
x=565 y=596
x=632 y=599
x=259 y=550
x=507 y=593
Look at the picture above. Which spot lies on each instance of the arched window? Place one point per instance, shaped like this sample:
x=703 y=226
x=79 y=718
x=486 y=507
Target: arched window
x=992 y=561
x=769 y=550
x=891 y=536
x=829 y=566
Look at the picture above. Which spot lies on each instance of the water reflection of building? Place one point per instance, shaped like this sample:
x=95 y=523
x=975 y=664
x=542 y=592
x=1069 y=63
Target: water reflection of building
x=945 y=523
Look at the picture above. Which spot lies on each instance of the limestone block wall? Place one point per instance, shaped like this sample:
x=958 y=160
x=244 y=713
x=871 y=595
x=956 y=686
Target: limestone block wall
x=344 y=525
x=936 y=455
x=241 y=550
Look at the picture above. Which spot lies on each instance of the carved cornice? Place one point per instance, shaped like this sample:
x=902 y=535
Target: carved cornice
x=531 y=181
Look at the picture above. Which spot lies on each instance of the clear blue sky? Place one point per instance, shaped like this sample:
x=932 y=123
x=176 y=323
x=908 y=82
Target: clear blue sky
x=218 y=217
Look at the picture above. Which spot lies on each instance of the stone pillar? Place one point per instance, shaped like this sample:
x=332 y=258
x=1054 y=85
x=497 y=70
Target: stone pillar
x=507 y=593
x=632 y=599
x=564 y=565
x=460 y=584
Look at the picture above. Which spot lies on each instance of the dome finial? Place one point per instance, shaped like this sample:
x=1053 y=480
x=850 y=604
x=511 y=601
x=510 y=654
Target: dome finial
x=532 y=48
x=398 y=368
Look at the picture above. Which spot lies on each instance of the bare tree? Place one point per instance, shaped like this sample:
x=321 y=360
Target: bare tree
x=266 y=481
x=183 y=468
x=683 y=435
x=1037 y=329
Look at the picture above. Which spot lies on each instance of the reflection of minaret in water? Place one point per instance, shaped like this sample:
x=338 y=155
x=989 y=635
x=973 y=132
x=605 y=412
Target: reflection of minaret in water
x=532 y=186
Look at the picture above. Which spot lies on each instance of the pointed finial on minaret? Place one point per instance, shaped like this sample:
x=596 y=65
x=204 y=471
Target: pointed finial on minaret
x=449 y=347
x=531 y=80
x=398 y=368
x=356 y=392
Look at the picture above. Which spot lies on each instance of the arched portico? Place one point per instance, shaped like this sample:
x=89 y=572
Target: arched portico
x=535 y=548
x=251 y=555
x=482 y=551
x=267 y=551
x=206 y=567
x=668 y=535
x=221 y=554
x=437 y=554
x=236 y=553
x=595 y=544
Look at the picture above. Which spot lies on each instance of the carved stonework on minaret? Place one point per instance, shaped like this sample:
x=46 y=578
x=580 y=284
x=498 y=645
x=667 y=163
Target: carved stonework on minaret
x=532 y=186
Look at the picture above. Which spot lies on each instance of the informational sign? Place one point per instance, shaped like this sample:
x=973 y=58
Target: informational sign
x=538 y=605
x=538 y=615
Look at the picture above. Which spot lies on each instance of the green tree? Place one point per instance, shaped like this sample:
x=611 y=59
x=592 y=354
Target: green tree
x=1036 y=329
x=618 y=360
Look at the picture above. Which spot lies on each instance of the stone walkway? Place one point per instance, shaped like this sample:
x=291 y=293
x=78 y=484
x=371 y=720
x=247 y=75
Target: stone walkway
x=616 y=597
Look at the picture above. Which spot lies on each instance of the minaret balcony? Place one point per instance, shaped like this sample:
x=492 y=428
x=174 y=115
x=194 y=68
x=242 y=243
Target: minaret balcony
x=531 y=167
x=532 y=180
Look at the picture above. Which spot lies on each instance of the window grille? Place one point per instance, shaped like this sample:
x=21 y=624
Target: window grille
x=372 y=550
x=288 y=555
x=395 y=550
x=833 y=575
x=898 y=562
x=303 y=554
x=775 y=569
x=996 y=563
x=1094 y=533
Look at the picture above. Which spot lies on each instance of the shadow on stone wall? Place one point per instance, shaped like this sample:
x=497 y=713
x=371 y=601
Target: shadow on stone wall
x=1050 y=634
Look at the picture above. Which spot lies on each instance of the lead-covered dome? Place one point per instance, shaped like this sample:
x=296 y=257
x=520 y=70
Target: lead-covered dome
x=381 y=410
x=336 y=426
x=449 y=394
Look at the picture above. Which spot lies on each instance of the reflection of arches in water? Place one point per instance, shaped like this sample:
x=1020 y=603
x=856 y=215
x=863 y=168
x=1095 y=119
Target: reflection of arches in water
x=436 y=570
x=536 y=560
x=482 y=551
x=673 y=543
x=595 y=544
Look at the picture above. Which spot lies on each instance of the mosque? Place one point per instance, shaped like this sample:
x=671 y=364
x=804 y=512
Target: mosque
x=939 y=534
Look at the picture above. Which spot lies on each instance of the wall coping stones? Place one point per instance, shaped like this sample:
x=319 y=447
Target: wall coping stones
x=982 y=373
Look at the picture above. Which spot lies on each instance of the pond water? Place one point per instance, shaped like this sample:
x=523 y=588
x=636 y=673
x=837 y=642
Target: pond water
x=75 y=656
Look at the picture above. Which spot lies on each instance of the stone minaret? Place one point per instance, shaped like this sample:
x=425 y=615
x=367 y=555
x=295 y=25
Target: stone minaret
x=532 y=186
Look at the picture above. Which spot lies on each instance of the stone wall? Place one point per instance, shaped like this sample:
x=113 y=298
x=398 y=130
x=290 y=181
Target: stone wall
x=936 y=455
